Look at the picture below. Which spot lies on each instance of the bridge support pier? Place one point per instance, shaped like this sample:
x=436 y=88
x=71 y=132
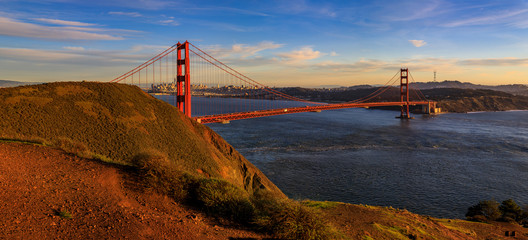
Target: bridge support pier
x=183 y=81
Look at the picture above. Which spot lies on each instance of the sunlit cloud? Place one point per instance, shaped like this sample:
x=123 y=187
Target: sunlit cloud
x=63 y=22
x=363 y=65
x=495 y=62
x=11 y=27
x=129 y=14
x=305 y=53
x=74 y=48
x=418 y=43
x=75 y=55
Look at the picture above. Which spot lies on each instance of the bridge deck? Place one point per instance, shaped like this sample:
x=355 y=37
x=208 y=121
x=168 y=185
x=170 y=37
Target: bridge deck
x=272 y=112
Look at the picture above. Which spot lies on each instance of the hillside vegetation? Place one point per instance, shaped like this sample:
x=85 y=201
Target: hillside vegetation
x=472 y=100
x=121 y=122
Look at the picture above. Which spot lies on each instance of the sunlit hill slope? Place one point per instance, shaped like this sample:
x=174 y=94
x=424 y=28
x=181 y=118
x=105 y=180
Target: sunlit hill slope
x=121 y=122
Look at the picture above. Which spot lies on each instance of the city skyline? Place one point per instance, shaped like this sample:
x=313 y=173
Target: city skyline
x=277 y=43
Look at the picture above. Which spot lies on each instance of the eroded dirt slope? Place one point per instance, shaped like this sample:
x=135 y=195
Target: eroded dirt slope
x=38 y=183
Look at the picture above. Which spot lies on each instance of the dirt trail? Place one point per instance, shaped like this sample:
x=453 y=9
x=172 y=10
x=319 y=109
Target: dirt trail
x=38 y=183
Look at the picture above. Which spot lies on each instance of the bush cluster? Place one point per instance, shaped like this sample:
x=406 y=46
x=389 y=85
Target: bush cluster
x=284 y=218
x=491 y=210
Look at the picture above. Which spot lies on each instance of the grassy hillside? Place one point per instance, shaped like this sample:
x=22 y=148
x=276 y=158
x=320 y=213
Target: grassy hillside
x=121 y=122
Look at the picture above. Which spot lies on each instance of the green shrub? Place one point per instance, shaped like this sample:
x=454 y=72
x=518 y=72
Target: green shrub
x=510 y=211
x=488 y=210
x=222 y=198
x=292 y=220
x=160 y=175
x=64 y=214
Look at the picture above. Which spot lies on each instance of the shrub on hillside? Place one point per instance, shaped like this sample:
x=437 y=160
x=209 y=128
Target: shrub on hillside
x=508 y=211
x=291 y=220
x=222 y=198
x=160 y=174
x=484 y=210
x=511 y=212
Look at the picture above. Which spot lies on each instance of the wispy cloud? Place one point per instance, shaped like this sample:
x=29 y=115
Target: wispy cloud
x=418 y=43
x=303 y=54
x=412 y=10
x=241 y=51
x=363 y=65
x=492 y=18
x=168 y=21
x=74 y=48
x=63 y=22
x=129 y=14
x=79 y=55
x=12 y=27
x=495 y=62
x=239 y=11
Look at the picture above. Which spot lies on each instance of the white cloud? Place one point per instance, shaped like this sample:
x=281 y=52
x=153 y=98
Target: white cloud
x=305 y=53
x=11 y=27
x=63 y=22
x=333 y=54
x=418 y=43
x=169 y=22
x=129 y=14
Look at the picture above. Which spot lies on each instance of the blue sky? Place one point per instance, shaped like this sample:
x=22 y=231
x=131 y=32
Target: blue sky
x=278 y=43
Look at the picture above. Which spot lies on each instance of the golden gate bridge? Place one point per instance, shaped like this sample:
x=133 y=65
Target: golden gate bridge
x=170 y=72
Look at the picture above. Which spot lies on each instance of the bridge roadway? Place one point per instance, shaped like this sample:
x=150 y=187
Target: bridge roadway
x=271 y=112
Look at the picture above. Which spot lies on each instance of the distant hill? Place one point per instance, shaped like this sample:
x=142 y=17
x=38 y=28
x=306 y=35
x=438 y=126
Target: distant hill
x=516 y=89
x=8 y=83
x=450 y=99
x=122 y=122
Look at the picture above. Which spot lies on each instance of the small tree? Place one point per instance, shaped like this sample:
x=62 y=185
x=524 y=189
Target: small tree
x=524 y=216
x=484 y=210
x=510 y=210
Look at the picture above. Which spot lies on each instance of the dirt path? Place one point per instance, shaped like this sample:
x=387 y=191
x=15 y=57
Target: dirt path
x=39 y=183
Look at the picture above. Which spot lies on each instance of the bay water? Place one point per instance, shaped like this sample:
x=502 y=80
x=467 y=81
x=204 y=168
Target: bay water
x=436 y=165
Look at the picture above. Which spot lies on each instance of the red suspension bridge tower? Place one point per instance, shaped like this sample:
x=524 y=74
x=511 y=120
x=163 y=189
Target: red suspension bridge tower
x=404 y=93
x=183 y=80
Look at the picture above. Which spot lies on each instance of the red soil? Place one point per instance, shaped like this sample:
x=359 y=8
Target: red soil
x=40 y=182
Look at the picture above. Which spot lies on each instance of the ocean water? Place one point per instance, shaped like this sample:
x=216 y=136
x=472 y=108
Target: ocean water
x=433 y=165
